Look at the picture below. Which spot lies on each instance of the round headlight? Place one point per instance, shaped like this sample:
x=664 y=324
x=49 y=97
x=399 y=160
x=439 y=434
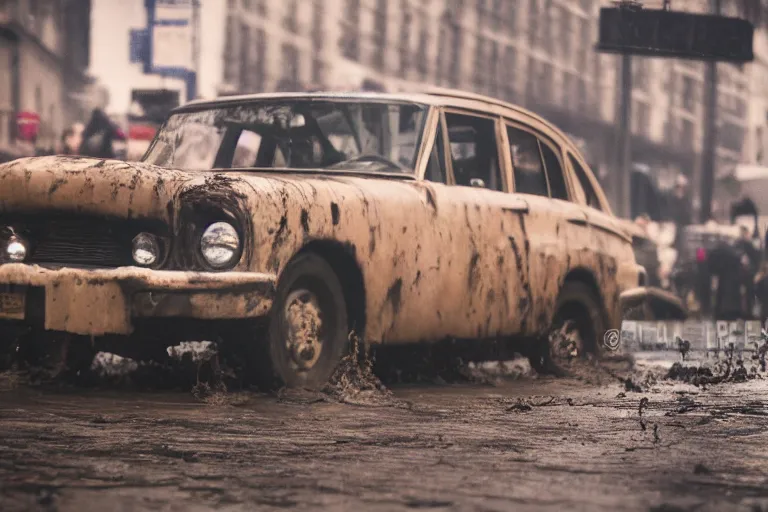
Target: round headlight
x=146 y=249
x=220 y=244
x=15 y=249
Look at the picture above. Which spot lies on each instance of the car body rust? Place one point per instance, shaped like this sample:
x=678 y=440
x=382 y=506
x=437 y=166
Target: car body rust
x=435 y=260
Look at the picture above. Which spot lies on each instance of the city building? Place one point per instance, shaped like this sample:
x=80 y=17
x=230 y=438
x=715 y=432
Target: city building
x=43 y=53
x=537 y=53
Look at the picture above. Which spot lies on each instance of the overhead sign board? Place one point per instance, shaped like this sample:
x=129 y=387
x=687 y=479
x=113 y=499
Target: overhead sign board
x=663 y=33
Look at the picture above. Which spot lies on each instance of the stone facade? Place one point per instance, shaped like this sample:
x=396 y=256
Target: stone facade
x=45 y=59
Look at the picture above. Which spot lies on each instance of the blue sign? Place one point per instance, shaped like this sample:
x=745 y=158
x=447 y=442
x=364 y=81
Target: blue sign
x=139 y=51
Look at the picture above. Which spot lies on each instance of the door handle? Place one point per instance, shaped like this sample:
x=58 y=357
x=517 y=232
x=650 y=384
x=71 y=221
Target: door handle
x=579 y=221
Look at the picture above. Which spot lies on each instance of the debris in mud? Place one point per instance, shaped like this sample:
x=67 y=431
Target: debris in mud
x=198 y=351
x=656 y=436
x=695 y=375
x=630 y=385
x=520 y=406
x=107 y=365
x=494 y=373
x=643 y=405
x=683 y=346
x=354 y=382
x=701 y=469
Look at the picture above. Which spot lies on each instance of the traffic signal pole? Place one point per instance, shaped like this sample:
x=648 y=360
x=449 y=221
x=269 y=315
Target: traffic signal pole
x=709 y=148
x=624 y=144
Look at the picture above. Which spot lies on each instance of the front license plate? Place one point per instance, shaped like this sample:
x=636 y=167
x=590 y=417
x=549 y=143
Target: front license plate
x=12 y=305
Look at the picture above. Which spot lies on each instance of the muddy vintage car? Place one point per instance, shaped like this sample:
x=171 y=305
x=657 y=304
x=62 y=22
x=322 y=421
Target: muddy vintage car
x=401 y=217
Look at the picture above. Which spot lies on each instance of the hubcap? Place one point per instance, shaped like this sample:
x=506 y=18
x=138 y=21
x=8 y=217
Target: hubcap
x=566 y=342
x=304 y=320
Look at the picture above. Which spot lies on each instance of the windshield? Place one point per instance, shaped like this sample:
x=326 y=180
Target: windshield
x=300 y=134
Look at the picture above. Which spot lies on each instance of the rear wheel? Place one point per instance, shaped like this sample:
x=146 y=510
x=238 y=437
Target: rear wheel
x=308 y=331
x=577 y=324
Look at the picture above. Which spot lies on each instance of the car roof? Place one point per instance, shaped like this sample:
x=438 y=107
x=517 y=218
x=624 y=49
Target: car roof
x=434 y=96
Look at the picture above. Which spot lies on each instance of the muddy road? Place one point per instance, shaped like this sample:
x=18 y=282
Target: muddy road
x=521 y=443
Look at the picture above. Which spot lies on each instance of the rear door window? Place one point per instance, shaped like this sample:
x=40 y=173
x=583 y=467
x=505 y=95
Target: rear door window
x=585 y=184
x=530 y=177
x=557 y=187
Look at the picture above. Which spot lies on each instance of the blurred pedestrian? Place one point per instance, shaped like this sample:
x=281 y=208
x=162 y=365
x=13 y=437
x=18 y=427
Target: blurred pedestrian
x=750 y=261
x=99 y=136
x=67 y=146
x=680 y=207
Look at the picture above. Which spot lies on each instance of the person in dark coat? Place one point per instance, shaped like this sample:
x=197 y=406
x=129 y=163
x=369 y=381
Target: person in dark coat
x=724 y=262
x=99 y=136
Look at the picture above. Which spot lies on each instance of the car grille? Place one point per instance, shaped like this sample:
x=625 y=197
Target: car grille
x=77 y=241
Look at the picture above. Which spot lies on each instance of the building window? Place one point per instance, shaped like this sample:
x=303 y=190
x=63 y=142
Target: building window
x=687 y=134
x=545 y=79
x=497 y=14
x=230 y=51
x=258 y=6
x=642 y=118
x=566 y=30
x=380 y=34
x=547 y=27
x=582 y=95
x=640 y=74
x=291 y=21
x=290 y=65
x=493 y=69
x=318 y=34
x=259 y=64
x=245 y=61
x=586 y=45
x=510 y=16
x=510 y=66
x=480 y=65
x=531 y=88
x=569 y=82
x=421 y=53
x=448 y=58
x=731 y=136
x=404 y=49
x=481 y=14
x=689 y=94
x=533 y=23
x=349 y=42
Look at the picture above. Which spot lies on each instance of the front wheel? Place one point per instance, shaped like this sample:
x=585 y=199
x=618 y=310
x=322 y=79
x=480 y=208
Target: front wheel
x=577 y=324
x=308 y=331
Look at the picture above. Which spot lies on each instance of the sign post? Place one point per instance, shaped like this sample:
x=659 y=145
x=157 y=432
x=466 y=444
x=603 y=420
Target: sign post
x=628 y=29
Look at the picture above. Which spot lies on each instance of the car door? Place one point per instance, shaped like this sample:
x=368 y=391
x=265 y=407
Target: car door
x=483 y=286
x=557 y=228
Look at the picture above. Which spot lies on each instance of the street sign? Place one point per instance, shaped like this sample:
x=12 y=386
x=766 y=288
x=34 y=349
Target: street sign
x=172 y=35
x=663 y=33
x=169 y=47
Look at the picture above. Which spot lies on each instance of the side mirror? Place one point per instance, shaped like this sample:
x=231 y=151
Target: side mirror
x=476 y=182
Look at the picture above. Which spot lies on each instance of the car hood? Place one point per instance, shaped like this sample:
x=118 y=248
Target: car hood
x=88 y=185
x=139 y=190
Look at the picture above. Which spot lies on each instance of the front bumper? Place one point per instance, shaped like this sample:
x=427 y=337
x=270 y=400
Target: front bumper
x=106 y=301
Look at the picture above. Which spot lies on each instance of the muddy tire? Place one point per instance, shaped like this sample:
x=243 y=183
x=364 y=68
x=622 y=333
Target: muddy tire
x=308 y=327
x=577 y=325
